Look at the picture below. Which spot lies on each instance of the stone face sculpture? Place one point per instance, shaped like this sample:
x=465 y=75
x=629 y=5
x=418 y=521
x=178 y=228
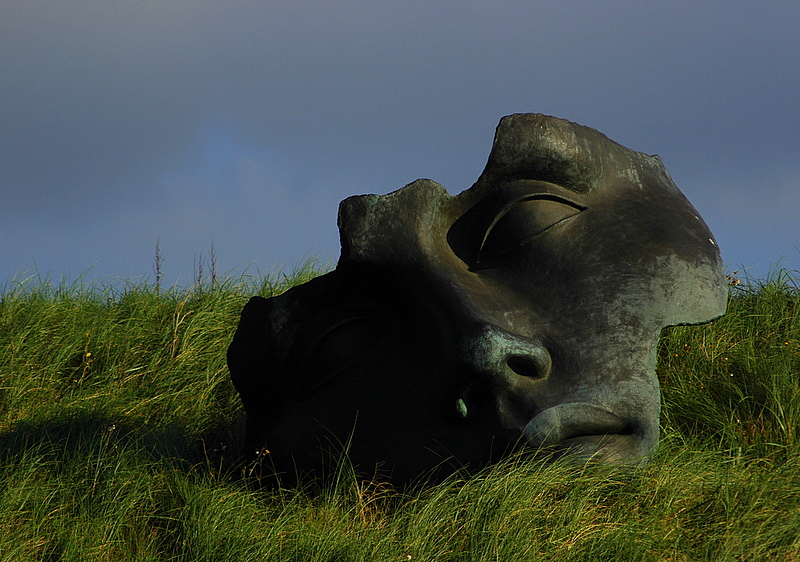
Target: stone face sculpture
x=524 y=311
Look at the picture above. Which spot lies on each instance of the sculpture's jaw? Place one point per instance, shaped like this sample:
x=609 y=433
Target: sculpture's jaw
x=614 y=450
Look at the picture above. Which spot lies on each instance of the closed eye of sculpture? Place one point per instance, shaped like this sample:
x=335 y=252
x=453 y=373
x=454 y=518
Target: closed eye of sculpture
x=520 y=221
x=333 y=341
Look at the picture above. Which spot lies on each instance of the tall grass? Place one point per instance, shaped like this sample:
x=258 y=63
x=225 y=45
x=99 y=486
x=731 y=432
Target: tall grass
x=119 y=429
x=735 y=383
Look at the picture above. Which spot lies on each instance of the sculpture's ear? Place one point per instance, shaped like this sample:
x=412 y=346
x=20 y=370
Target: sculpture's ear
x=254 y=361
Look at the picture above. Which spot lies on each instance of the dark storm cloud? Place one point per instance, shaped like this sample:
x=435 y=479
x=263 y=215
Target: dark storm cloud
x=245 y=122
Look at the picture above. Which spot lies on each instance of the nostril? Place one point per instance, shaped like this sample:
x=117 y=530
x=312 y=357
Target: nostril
x=496 y=353
x=529 y=366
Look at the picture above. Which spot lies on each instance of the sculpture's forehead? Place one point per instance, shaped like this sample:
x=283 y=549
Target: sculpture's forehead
x=560 y=214
x=578 y=158
x=533 y=158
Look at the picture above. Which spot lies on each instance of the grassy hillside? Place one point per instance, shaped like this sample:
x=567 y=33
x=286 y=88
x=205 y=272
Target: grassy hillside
x=118 y=424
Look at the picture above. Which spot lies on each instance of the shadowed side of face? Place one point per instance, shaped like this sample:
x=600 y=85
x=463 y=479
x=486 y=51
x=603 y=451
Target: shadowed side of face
x=525 y=310
x=363 y=369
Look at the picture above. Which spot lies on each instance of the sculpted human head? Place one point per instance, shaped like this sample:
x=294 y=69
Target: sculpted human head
x=524 y=311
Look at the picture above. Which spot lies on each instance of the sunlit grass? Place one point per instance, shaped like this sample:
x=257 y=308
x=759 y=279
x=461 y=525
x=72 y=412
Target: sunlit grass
x=119 y=429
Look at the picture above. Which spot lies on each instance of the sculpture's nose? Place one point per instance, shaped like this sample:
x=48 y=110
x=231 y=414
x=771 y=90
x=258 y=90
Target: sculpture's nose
x=517 y=370
x=496 y=353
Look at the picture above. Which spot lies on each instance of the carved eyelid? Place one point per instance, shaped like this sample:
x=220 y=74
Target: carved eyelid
x=334 y=321
x=522 y=197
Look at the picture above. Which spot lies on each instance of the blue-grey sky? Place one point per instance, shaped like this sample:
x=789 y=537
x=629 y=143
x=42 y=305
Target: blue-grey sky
x=244 y=123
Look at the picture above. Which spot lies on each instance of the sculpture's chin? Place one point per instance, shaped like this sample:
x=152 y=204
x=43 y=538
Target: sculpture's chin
x=611 y=449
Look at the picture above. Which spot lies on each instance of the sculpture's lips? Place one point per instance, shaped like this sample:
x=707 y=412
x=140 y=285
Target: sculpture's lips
x=583 y=430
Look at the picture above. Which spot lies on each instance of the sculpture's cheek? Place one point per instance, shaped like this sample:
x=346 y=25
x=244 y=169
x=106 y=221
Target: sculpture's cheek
x=397 y=407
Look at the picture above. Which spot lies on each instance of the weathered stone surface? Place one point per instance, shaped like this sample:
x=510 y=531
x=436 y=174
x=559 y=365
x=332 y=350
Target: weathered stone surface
x=525 y=310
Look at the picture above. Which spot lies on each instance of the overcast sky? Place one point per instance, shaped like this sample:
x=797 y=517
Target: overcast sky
x=244 y=123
